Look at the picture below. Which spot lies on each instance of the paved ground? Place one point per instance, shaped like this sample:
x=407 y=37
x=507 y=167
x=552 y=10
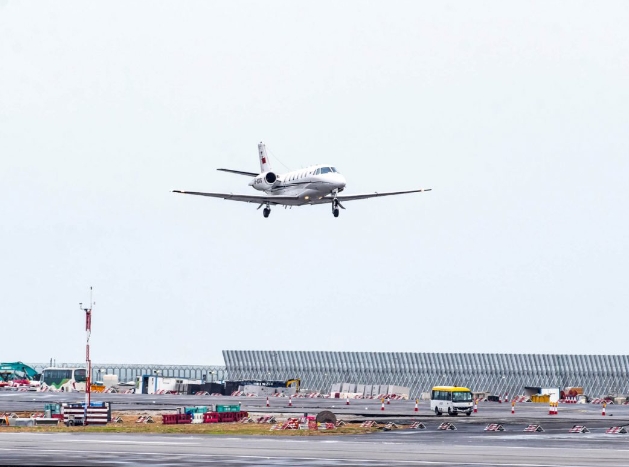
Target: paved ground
x=381 y=449
x=12 y=401
x=469 y=445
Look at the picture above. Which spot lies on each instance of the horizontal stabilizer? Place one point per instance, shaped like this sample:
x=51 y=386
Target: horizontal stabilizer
x=239 y=172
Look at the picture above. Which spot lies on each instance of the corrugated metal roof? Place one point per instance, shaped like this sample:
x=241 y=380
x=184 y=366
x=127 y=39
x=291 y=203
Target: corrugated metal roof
x=496 y=373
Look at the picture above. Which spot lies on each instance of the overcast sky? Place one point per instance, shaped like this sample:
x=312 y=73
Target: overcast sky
x=515 y=113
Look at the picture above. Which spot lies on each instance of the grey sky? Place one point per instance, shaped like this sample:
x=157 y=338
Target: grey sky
x=515 y=113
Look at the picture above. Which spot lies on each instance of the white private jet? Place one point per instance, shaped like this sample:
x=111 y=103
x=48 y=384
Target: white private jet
x=318 y=184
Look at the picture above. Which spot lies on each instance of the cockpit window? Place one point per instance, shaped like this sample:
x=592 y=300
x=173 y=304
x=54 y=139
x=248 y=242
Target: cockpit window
x=325 y=170
x=334 y=169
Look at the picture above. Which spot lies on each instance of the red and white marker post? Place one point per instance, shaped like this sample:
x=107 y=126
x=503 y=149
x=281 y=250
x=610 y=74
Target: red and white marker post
x=290 y=401
x=267 y=401
x=88 y=361
x=416 y=408
x=346 y=400
x=382 y=408
x=513 y=408
x=604 y=406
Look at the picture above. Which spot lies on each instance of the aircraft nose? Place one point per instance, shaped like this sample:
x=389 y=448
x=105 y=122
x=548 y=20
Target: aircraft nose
x=341 y=181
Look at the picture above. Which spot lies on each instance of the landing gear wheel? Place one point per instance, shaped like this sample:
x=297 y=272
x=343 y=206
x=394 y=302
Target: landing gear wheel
x=437 y=412
x=266 y=212
x=335 y=211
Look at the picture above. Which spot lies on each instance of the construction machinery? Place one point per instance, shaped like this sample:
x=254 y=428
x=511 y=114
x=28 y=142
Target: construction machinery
x=18 y=374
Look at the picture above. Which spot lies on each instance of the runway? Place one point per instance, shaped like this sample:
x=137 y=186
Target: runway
x=468 y=445
x=401 y=448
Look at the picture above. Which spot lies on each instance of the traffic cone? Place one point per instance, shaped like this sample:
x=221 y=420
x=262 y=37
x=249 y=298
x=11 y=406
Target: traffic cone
x=382 y=408
x=416 y=408
x=475 y=405
x=550 y=409
x=346 y=400
x=267 y=401
x=506 y=398
x=513 y=408
x=556 y=408
x=388 y=401
x=604 y=405
x=290 y=401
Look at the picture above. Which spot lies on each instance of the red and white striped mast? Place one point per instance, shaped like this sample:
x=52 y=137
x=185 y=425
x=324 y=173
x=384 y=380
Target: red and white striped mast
x=88 y=362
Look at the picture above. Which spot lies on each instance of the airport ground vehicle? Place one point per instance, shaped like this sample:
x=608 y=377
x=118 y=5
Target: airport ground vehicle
x=451 y=400
x=65 y=379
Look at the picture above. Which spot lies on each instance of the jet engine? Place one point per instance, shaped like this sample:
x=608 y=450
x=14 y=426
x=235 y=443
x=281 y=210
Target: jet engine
x=265 y=181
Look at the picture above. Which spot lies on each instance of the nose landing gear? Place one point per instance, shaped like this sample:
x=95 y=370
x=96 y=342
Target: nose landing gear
x=336 y=205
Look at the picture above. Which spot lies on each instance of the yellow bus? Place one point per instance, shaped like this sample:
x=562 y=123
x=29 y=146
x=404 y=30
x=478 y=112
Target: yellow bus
x=451 y=400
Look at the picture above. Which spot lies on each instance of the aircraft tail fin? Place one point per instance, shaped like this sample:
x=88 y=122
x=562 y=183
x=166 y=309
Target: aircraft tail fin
x=265 y=164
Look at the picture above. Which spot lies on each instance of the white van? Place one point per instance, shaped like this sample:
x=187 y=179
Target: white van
x=451 y=400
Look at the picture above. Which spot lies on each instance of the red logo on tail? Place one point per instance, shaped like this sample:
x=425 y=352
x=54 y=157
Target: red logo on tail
x=263 y=160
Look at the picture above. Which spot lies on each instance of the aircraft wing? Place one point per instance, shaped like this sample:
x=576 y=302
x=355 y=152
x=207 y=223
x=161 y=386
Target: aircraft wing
x=260 y=199
x=375 y=195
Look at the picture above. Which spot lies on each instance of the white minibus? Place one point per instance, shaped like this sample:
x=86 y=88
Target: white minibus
x=451 y=400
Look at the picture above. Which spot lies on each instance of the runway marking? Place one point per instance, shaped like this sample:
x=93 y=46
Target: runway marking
x=279 y=458
x=165 y=443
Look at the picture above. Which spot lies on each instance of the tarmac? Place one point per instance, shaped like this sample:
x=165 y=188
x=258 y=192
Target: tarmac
x=468 y=445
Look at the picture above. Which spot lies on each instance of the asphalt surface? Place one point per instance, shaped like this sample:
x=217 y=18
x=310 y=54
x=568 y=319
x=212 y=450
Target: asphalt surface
x=394 y=448
x=468 y=445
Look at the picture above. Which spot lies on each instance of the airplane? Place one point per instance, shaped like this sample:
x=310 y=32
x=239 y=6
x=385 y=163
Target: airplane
x=317 y=184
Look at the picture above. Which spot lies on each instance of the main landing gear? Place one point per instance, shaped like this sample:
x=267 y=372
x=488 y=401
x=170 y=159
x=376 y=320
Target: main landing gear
x=267 y=210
